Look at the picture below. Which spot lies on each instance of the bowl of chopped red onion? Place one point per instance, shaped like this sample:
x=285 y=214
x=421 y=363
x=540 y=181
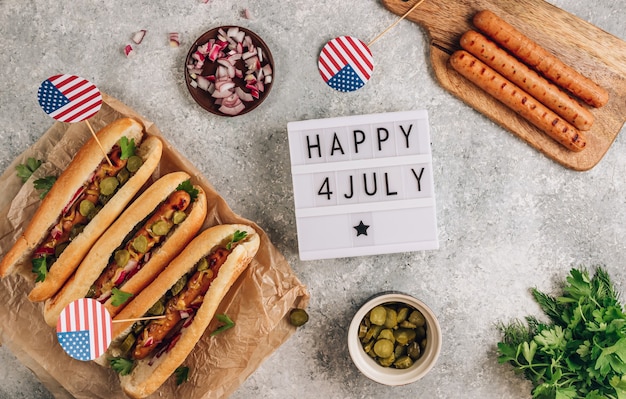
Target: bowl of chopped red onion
x=229 y=71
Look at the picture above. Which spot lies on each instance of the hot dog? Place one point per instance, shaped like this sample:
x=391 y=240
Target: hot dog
x=527 y=79
x=86 y=198
x=518 y=100
x=188 y=292
x=540 y=59
x=137 y=247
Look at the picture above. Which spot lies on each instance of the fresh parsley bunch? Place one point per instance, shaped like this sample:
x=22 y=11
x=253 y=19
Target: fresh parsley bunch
x=581 y=351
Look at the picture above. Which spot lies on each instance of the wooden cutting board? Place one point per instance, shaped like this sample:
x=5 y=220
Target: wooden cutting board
x=588 y=49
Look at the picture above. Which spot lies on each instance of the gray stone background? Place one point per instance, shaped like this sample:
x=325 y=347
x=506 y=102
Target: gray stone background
x=508 y=218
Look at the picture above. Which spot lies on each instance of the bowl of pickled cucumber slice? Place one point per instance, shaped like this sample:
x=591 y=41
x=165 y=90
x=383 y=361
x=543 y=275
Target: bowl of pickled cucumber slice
x=394 y=339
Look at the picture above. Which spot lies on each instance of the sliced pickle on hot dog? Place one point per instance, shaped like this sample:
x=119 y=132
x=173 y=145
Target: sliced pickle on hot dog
x=129 y=255
x=65 y=226
x=129 y=258
x=187 y=293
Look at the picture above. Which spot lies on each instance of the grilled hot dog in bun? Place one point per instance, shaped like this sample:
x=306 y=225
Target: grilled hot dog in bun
x=137 y=247
x=84 y=201
x=187 y=293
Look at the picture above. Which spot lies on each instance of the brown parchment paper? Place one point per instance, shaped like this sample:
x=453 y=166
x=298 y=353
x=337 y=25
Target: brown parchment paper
x=259 y=302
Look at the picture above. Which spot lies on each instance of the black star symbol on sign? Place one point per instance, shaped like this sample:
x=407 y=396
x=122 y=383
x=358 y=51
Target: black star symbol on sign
x=361 y=228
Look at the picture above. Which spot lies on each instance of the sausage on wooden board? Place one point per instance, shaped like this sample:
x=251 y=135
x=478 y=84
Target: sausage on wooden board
x=540 y=59
x=527 y=79
x=518 y=100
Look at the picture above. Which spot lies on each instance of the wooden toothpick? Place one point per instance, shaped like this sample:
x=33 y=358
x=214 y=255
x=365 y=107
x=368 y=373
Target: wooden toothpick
x=98 y=141
x=395 y=23
x=139 y=319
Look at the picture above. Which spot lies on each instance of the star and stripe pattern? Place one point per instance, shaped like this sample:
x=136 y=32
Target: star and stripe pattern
x=84 y=329
x=346 y=63
x=69 y=98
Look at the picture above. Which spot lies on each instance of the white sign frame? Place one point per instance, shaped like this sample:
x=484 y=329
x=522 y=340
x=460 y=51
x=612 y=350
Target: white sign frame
x=363 y=185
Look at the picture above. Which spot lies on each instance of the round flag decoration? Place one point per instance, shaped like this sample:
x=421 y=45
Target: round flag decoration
x=69 y=98
x=346 y=63
x=84 y=329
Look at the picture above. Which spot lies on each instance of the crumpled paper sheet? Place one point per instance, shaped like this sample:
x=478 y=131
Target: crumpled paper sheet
x=259 y=302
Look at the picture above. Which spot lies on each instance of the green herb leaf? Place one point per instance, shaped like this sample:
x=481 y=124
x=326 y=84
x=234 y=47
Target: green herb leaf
x=182 y=375
x=25 y=170
x=119 y=297
x=128 y=147
x=226 y=324
x=121 y=365
x=189 y=188
x=40 y=268
x=44 y=185
x=581 y=352
x=237 y=236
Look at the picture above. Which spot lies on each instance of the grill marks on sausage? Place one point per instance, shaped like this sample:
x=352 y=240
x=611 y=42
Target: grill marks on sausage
x=177 y=201
x=540 y=59
x=512 y=96
x=60 y=233
x=158 y=332
x=527 y=79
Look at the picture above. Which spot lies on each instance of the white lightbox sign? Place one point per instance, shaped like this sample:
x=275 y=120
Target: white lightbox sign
x=363 y=185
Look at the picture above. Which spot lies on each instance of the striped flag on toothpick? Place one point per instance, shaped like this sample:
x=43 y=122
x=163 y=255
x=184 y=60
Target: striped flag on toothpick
x=69 y=98
x=346 y=63
x=84 y=329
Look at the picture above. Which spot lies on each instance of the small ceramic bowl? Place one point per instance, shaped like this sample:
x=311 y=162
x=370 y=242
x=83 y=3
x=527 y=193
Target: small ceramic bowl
x=245 y=80
x=390 y=375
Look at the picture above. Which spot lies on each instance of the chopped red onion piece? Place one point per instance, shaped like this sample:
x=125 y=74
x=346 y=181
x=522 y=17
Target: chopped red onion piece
x=246 y=13
x=230 y=46
x=138 y=36
x=43 y=251
x=73 y=200
x=128 y=50
x=120 y=278
x=174 y=39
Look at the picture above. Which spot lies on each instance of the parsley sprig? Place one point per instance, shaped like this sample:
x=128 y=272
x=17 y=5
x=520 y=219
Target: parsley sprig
x=182 y=375
x=40 y=268
x=25 y=170
x=226 y=322
x=127 y=146
x=581 y=351
x=189 y=188
x=121 y=365
x=237 y=236
x=44 y=185
x=119 y=297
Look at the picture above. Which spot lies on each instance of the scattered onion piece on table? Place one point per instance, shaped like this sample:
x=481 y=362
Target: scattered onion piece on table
x=128 y=50
x=174 y=39
x=138 y=36
x=236 y=57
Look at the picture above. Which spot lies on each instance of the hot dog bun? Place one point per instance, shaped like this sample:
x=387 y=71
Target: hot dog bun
x=149 y=374
x=86 y=160
x=133 y=218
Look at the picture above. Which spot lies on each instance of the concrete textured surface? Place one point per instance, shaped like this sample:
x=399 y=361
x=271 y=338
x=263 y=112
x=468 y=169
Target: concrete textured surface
x=508 y=217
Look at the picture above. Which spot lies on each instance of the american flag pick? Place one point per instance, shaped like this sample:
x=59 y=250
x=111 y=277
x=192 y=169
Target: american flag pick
x=69 y=98
x=346 y=63
x=84 y=329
